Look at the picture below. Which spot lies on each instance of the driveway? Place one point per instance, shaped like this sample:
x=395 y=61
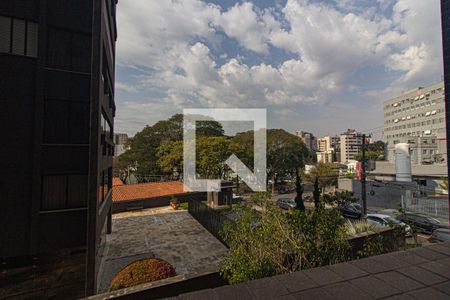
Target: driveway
x=172 y=235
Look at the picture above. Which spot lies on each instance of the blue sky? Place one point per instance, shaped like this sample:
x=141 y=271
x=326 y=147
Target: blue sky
x=320 y=66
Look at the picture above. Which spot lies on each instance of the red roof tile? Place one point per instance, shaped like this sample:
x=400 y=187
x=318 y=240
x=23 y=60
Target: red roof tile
x=139 y=191
x=117 y=181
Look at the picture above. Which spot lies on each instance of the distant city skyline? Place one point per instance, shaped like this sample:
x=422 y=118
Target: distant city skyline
x=317 y=66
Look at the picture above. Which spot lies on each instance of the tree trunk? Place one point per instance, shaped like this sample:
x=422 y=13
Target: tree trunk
x=299 y=190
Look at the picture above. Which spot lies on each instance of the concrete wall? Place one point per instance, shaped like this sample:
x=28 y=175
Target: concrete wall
x=380 y=194
x=122 y=206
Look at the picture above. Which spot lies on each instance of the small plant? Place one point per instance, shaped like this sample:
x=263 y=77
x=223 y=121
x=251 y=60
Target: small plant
x=357 y=227
x=142 y=271
x=174 y=203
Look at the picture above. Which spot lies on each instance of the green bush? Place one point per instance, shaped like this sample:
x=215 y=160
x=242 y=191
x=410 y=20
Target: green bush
x=142 y=271
x=272 y=241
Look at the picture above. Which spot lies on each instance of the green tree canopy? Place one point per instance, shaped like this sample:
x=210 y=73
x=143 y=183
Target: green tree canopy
x=144 y=145
x=374 y=151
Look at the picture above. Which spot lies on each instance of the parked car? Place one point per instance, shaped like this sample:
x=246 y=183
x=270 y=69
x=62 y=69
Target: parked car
x=440 y=235
x=351 y=210
x=381 y=220
x=423 y=223
x=286 y=203
x=286 y=189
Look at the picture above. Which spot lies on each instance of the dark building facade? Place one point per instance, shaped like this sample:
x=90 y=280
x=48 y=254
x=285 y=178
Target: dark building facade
x=57 y=111
x=445 y=21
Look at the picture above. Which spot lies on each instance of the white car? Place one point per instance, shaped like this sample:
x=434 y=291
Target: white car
x=381 y=220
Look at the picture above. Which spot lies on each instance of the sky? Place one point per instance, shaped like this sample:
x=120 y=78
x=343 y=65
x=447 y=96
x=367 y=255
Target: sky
x=320 y=65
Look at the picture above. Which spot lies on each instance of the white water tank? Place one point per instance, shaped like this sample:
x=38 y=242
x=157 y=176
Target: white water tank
x=402 y=163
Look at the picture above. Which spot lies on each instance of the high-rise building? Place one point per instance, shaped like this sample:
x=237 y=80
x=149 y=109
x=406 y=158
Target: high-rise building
x=417 y=117
x=445 y=21
x=328 y=143
x=350 y=145
x=328 y=149
x=120 y=143
x=308 y=138
x=57 y=113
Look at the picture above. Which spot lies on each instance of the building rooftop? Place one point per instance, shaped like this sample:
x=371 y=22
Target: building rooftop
x=140 y=191
x=433 y=170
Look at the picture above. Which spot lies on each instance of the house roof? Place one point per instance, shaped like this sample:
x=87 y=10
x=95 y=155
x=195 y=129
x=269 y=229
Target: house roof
x=128 y=192
x=117 y=181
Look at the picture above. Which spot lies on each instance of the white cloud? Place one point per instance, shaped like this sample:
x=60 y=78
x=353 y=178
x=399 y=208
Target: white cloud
x=242 y=23
x=174 y=42
x=125 y=87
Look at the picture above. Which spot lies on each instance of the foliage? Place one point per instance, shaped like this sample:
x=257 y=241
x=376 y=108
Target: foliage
x=326 y=173
x=340 y=198
x=170 y=156
x=272 y=241
x=211 y=155
x=285 y=153
x=370 y=155
x=299 y=190
x=142 y=271
x=374 y=151
x=145 y=144
x=377 y=244
x=316 y=194
x=378 y=146
x=360 y=226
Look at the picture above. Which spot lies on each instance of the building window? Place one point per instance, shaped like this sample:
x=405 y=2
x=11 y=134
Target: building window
x=18 y=36
x=64 y=192
x=105 y=184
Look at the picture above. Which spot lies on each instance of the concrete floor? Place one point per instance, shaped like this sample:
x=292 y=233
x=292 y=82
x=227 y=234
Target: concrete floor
x=172 y=235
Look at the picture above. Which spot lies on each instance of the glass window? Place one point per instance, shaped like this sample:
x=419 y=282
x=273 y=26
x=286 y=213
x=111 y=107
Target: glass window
x=64 y=192
x=18 y=42
x=32 y=39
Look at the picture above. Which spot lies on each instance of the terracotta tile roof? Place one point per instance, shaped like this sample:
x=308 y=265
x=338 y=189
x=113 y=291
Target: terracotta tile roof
x=127 y=192
x=117 y=181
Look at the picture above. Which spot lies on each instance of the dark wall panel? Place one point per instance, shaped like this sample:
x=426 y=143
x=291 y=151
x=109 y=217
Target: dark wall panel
x=66 y=122
x=70 y=14
x=25 y=9
x=67 y=86
x=16 y=130
x=65 y=160
x=62 y=230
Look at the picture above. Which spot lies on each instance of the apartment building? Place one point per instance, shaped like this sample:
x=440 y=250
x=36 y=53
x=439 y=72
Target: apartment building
x=120 y=143
x=308 y=138
x=445 y=21
x=57 y=112
x=417 y=117
x=328 y=149
x=350 y=145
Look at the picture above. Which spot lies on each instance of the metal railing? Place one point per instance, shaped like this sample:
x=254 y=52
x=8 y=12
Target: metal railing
x=209 y=218
x=428 y=206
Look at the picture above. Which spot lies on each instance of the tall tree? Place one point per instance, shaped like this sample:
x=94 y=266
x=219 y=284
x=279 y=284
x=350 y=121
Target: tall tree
x=316 y=194
x=327 y=175
x=145 y=144
x=299 y=191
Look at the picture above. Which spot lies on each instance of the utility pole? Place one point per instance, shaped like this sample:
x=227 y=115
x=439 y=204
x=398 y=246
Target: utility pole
x=363 y=177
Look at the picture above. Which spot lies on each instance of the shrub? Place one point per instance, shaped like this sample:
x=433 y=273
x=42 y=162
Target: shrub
x=271 y=241
x=359 y=226
x=142 y=271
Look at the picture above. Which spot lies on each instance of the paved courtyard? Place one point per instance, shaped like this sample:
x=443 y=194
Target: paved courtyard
x=172 y=235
